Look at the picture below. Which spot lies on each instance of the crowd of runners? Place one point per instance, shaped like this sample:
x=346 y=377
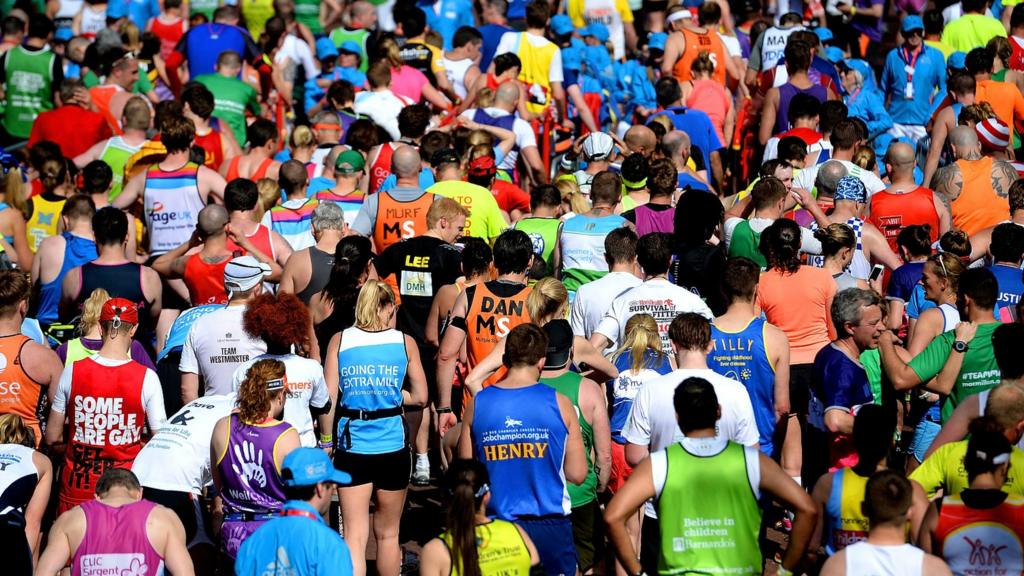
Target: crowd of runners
x=628 y=286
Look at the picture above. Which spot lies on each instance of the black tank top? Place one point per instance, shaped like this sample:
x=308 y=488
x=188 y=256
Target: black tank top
x=320 y=265
x=119 y=280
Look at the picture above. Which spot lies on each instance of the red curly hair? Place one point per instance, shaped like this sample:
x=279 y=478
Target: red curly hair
x=281 y=321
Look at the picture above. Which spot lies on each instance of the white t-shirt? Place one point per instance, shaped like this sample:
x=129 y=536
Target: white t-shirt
x=805 y=179
x=704 y=447
x=383 y=108
x=652 y=420
x=216 y=345
x=306 y=387
x=808 y=243
x=593 y=300
x=152 y=393
x=296 y=50
x=658 y=297
x=525 y=138
x=732 y=45
x=510 y=41
x=177 y=459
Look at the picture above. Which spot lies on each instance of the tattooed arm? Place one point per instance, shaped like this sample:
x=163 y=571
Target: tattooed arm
x=948 y=182
x=1003 y=175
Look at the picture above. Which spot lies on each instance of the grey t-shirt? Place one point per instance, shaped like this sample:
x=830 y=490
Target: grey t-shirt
x=366 y=220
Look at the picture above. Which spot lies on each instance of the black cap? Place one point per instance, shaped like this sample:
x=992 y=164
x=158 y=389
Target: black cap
x=444 y=156
x=560 y=339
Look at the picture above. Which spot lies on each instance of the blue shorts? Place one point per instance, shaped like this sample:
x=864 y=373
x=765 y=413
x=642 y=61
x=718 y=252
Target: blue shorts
x=553 y=538
x=924 y=435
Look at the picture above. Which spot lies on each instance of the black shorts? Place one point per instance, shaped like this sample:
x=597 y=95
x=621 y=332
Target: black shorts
x=181 y=503
x=588 y=534
x=391 y=471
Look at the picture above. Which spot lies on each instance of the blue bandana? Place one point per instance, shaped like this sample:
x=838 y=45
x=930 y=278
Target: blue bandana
x=851 y=188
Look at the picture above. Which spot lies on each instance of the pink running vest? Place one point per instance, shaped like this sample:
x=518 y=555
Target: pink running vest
x=115 y=541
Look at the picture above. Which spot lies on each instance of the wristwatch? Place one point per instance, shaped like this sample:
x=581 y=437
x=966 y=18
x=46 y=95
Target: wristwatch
x=960 y=346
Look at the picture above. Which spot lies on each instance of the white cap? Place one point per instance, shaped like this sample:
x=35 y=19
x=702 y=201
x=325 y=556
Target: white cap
x=244 y=273
x=598 y=146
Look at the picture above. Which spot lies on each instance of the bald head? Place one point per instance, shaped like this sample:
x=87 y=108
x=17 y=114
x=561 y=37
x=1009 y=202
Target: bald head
x=507 y=96
x=361 y=9
x=212 y=220
x=964 y=140
x=828 y=177
x=900 y=159
x=676 y=144
x=1006 y=405
x=405 y=162
x=641 y=139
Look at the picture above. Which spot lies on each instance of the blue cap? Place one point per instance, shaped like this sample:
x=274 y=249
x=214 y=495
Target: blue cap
x=63 y=34
x=325 y=49
x=851 y=188
x=824 y=34
x=351 y=47
x=597 y=30
x=310 y=466
x=561 y=25
x=117 y=9
x=572 y=59
x=834 y=54
x=656 y=41
x=957 y=60
x=912 y=22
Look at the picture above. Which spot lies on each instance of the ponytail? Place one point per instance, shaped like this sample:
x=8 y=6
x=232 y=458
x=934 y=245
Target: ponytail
x=641 y=335
x=467 y=484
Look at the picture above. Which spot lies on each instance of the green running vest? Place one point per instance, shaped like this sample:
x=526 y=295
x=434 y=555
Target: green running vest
x=744 y=242
x=569 y=385
x=29 y=78
x=543 y=232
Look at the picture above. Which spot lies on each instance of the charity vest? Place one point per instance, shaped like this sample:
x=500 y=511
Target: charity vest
x=28 y=76
x=340 y=35
x=743 y=356
x=569 y=385
x=845 y=523
x=172 y=203
x=44 y=220
x=116 y=541
x=101 y=97
x=773 y=46
x=543 y=232
x=975 y=541
x=500 y=550
x=381 y=167
x=891 y=213
x=582 y=244
x=212 y=143
x=76 y=351
x=105 y=420
x=697 y=42
x=398 y=220
x=536 y=62
x=708 y=514
x=978 y=207
x=19 y=393
x=489 y=318
x=205 y=282
x=744 y=242
x=116 y=153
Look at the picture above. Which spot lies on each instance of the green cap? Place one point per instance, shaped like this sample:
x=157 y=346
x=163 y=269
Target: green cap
x=349 y=162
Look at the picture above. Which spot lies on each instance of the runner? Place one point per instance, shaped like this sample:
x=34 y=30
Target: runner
x=25 y=479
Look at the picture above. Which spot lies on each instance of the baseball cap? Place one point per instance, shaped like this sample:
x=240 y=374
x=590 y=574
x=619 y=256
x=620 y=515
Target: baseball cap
x=310 y=466
x=349 y=162
x=63 y=34
x=656 y=41
x=560 y=340
x=119 y=310
x=834 y=54
x=957 y=60
x=993 y=134
x=561 y=25
x=244 y=273
x=350 y=47
x=851 y=188
x=598 y=146
x=482 y=166
x=912 y=22
x=597 y=30
x=824 y=34
x=572 y=58
x=117 y=9
x=444 y=156
x=325 y=49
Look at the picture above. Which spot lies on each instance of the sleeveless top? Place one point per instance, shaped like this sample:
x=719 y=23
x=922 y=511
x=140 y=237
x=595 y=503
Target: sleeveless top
x=44 y=221
x=536 y=65
x=105 y=420
x=115 y=539
x=205 y=282
x=710 y=97
x=648 y=220
x=213 y=144
x=19 y=393
x=500 y=550
x=845 y=523
x=786 y=93
x=1017 y=54
x=519 y=434
x=697 y=42
x=250 y=480
x=293 y=223
x=455 y=70
x=978 y=207
x=116 y=153
x=864 y=558
x=624 y=388
x=744 y=242
x=381 y=167
x=773 y=45
x=259 y=173
x=260 y=238
x=582 y=247
x=120 y=280
x=569 y=385
x=371 y=367
x=950 y=316
x=743 y=356
x=397 y=220
x=101 y=97
x=320 y=264
x=891 y=213
x=489 y=318
x=172 y=203
x=543 y=232
x=972 y=540
x=77 y=350
x=859 y=267
x=92 y=21
x=77 y=251
x=18 y=479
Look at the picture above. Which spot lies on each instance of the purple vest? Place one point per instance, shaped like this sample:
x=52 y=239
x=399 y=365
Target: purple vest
x=648 y=221
x=786 y=93
x=115 y=541
x=249 y=479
